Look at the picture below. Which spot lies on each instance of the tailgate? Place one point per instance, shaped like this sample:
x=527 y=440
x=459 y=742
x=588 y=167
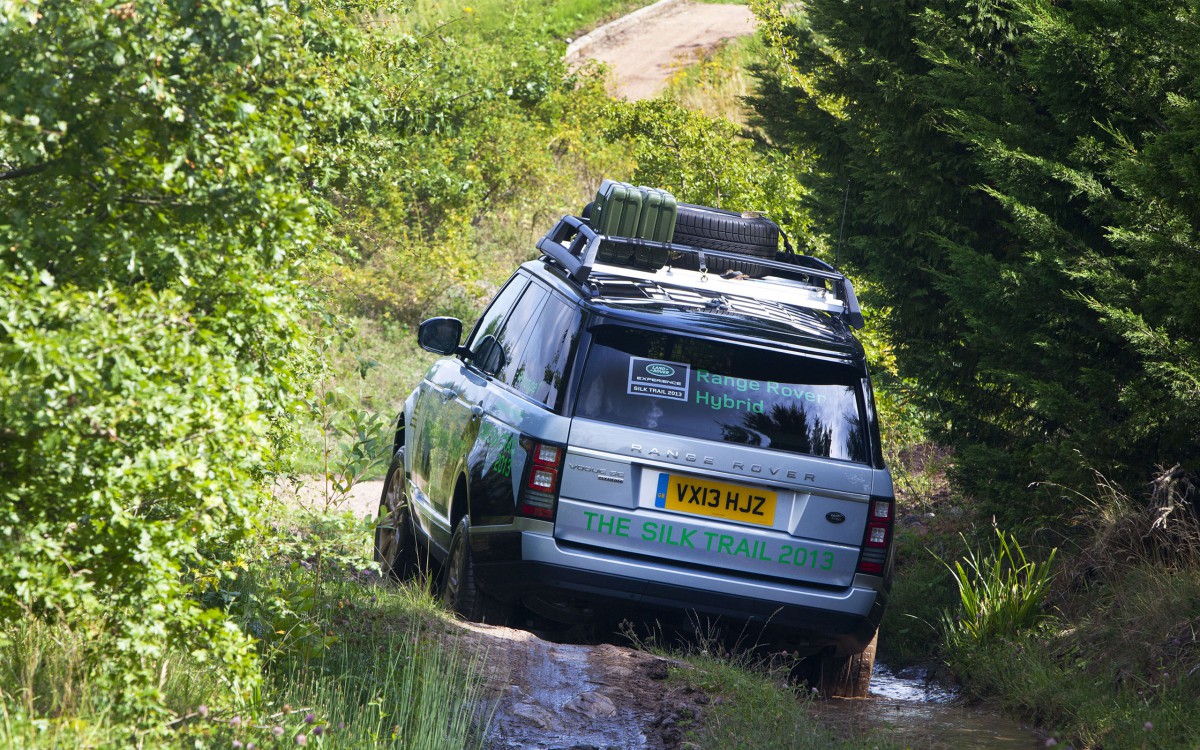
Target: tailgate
x=729 y=523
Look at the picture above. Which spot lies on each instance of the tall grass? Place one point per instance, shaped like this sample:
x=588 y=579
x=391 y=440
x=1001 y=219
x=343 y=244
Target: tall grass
x=1000 y=593
x=1161 y=527
x=415 y=689
x=391 y=674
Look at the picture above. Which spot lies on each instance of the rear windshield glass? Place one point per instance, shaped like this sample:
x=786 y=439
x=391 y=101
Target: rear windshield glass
x=720 y=391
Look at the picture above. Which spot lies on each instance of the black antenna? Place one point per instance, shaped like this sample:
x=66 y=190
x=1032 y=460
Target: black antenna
x=842 y=231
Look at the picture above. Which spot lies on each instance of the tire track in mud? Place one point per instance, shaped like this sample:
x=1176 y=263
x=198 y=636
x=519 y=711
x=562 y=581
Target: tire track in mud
x=560 y=696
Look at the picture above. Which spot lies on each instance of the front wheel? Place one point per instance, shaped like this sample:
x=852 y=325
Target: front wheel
x=395 y=536
x=459 y=592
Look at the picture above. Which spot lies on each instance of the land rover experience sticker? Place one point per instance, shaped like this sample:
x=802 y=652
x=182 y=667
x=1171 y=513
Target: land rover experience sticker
x=654 y=377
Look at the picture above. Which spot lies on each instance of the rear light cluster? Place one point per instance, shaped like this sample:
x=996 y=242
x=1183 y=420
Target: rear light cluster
x=878 y=536
x=539 y=496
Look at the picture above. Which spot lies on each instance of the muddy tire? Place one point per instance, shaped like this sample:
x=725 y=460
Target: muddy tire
x=716 y=229
x=459 y=592
x=395 y=536
x=848 y=676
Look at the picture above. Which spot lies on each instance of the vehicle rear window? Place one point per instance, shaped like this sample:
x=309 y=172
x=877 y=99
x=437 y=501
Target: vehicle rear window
x=723 y=391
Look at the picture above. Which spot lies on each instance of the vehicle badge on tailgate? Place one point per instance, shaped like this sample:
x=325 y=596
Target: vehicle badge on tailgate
x=605 y=475
x=834 y=517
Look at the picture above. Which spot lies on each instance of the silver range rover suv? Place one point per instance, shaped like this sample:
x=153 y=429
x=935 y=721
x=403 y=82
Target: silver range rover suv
x=633 y=436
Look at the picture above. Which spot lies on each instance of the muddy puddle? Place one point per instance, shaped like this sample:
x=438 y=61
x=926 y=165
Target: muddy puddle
x=556 y=695
x=547 y=695
x=915 y=711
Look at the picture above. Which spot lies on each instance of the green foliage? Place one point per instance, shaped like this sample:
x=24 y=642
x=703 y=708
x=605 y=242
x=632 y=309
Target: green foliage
x=1019 y=178
x=156 y=221
x=1001 y=594
x=486 y=136
x=921 y=591
x=702 y=159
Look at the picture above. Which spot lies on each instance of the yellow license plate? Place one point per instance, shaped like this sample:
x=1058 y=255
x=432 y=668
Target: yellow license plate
x=716 y=499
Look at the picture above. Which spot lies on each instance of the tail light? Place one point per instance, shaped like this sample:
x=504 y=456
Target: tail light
x=539 y=494
x=878 y=536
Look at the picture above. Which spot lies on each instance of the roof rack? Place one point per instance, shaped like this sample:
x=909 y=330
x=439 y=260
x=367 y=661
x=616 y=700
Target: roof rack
x=575 y=246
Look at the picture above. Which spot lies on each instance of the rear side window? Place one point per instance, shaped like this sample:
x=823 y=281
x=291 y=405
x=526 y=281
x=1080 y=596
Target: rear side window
x=492 y=318
x=725 y=392
x=538 y=370
x=515 y=333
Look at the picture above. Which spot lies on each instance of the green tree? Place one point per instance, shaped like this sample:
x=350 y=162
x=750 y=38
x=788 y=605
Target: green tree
x=709 y=161
x=1019 y=175
x=484 y=128
x=157 y=216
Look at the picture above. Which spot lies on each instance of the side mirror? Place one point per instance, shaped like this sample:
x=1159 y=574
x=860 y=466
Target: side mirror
x=440 y=335
x=489 y=355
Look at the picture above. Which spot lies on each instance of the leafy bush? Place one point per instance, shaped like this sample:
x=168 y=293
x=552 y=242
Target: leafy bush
x=705 y=160
x=488 y=135
x=156 y=221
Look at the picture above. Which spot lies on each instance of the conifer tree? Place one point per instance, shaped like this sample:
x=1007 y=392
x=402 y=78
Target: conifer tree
x=1022 y=189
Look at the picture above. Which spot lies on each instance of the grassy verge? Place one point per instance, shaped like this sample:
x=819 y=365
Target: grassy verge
x=558 y=19
x=347 y=661
x=716 y=80
x=1112 y=656
x=1118 y=663
x=750 y=706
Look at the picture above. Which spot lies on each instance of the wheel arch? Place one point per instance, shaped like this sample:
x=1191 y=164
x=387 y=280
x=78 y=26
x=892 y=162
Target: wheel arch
x=460 y=504
x=398 y=436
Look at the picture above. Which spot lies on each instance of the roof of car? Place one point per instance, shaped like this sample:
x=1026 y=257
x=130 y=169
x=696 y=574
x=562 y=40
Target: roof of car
x=717 y=313
x=796 y=281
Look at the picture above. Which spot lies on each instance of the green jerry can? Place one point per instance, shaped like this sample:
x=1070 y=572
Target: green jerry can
x=657 y=224
x=659 y=209
x=616 y=212
x=617 y=209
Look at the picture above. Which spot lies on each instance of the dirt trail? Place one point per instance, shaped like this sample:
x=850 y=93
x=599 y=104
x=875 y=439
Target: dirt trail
x=362 y=500
x=644 y=47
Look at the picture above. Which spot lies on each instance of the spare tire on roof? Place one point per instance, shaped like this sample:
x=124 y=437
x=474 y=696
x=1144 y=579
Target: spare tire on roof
x=717 y=229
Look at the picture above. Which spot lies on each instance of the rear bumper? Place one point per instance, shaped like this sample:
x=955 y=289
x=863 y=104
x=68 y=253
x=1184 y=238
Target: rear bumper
x=805 y=617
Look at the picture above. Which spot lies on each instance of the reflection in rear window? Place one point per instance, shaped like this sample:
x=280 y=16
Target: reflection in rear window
x=720 y=391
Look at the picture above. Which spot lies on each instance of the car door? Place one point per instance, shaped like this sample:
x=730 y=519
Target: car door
x=495 y=346
x=442 y=420
x=523 y=402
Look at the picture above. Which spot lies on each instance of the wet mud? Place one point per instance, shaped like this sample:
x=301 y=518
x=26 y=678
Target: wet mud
x=565 y=696
x=918 y=711
x=584 y=695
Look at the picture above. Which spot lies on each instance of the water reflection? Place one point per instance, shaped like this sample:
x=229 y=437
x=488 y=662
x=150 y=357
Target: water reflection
x=916 y=711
